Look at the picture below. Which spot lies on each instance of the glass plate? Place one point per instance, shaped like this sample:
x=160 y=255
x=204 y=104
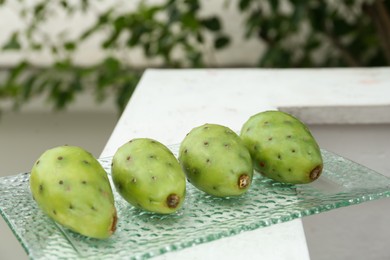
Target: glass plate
x=202 y=219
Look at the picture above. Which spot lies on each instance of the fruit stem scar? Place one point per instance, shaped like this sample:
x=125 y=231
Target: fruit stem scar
x=113 y=225
x=243 y=181
x=173 y=201
x=316 y=172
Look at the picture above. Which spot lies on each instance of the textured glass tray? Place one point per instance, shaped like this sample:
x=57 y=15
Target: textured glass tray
x=203 y=218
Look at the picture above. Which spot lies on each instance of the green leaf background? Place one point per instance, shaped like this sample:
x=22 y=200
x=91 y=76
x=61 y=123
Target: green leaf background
x=346 y=33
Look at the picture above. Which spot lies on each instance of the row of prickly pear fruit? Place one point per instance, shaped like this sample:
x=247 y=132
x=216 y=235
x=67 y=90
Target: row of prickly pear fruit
x=71 y=187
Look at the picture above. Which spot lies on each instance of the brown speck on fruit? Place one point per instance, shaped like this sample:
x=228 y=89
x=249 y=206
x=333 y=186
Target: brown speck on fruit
x=293 y=150
x=134 y=180
x=248 y=129
x=288 y=137
x=270 y=139
x=61 y=182
x=128 y=158
x=54 y=212
x=206 y=143
x=173 y=201
x=279 y=157
x=93 y=208
x=154 y=178
x=37 y=162
x=243 y=181
x=208 y=160
x=316 y=172
x=40 y=188
x=60 y=158
x=71 y=206
x=262 y=164
x=84 y=182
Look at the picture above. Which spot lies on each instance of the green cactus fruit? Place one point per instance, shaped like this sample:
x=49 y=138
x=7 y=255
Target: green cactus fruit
x=148 y=176
x=216 y=160
x=282 y=147
x=72 y=188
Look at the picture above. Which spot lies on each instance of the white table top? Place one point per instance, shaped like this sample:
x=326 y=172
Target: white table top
x=167 y=104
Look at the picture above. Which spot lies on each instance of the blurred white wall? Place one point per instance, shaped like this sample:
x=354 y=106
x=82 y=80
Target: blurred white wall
x=361 y=231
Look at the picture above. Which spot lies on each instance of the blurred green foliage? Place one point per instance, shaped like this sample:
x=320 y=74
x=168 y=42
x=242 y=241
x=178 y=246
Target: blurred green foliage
x=320 y=33
x=296 y=33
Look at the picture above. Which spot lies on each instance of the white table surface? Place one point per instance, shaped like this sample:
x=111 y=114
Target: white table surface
x=167 y=104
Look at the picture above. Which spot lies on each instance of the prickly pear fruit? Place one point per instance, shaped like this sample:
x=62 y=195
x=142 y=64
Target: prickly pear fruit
x=148 y=176
x=282 y=147
x=216 y=161
x=72 y=188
